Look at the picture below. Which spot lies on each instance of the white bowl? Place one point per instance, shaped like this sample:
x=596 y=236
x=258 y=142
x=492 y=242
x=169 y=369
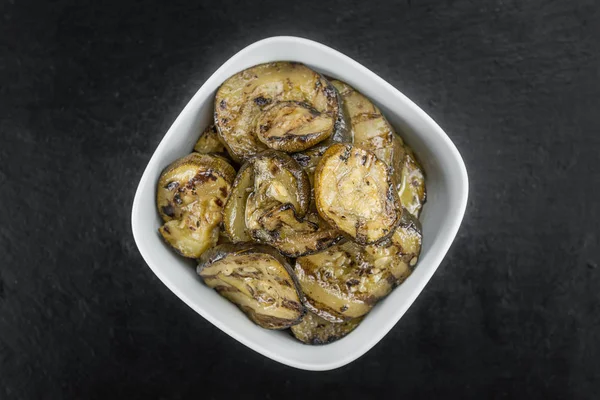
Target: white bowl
x=447 y=190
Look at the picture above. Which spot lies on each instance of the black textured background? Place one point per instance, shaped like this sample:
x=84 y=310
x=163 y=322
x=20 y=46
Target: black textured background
x=88 y=90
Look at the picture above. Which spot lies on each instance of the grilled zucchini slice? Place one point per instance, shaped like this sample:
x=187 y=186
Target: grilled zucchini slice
x=257 y=280
x=281 y=105
x=341 y=283
x=400 y=253
x=234 y=218
x=411 y=184
x=278 y=178
x=275 y=210
x=292 y=236
x=209 y=142
x=371 y=131
x=190 y=198
x=316 y=330
x=293 y=125
x=308 y=159
x=346 y=280
x=354 y=193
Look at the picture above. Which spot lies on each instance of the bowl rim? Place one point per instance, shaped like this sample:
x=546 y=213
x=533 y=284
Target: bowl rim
x=446 y=240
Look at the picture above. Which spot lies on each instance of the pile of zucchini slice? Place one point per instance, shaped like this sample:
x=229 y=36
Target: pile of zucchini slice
x=300 y=203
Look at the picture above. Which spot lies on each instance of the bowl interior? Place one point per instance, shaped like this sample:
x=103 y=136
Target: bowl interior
x=446 y=190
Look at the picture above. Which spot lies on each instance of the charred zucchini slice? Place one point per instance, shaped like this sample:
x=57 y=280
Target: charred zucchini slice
x=345 y=281
x=190 y=198
x=281 y=105
x=354 y=193
x=270 y=178
x=316 y=330
x=341 y=283
x=400 y=253
x=411 y=184
x=234 y=218
x=178 y=183
x=257 y=280
x=293 y=125
x=370 y=129
x=276 y=209
x=209 y=142
x=309 y=160
x=278 y=178
x=293 y=236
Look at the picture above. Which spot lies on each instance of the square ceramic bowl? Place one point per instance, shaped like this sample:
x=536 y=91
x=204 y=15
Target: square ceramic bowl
x=447 y=190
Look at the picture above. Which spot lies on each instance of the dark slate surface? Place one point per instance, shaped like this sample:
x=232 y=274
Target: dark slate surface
x=88 y=90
